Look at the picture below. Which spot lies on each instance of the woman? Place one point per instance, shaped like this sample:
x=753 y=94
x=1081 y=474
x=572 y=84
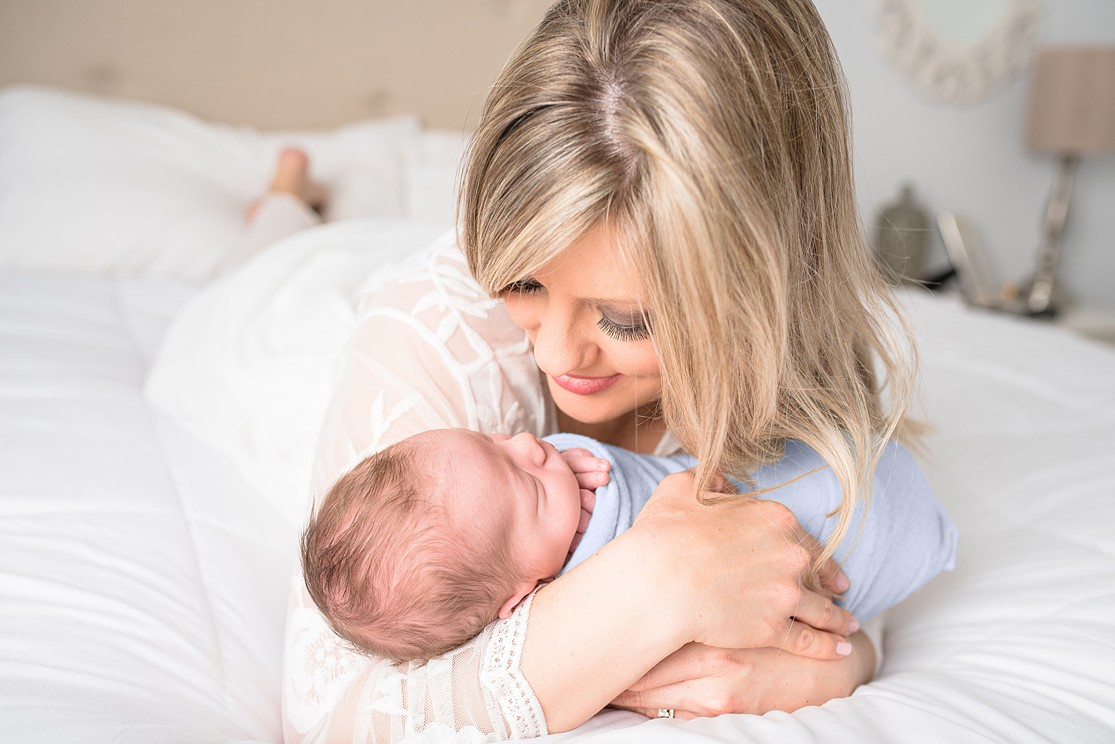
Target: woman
x=658 y=217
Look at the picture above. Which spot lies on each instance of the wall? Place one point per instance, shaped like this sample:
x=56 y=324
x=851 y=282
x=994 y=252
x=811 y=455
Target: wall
x=275 y=64
x=971 y=160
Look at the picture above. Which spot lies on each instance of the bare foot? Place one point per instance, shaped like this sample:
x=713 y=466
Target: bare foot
x=292 y=176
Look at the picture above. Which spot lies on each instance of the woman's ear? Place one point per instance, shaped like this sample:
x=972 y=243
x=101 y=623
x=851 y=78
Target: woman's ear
x=521 y=591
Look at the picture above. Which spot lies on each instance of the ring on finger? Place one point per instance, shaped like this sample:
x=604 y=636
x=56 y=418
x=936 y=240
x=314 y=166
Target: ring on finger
x=665 y=712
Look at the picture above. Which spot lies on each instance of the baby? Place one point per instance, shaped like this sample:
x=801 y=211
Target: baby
x=420 y=546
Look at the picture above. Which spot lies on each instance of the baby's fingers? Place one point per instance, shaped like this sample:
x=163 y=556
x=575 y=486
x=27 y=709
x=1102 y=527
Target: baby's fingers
x=591 y=472
x=588 y=501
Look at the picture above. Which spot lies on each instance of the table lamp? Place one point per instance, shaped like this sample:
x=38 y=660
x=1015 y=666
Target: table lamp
x=1071 y=113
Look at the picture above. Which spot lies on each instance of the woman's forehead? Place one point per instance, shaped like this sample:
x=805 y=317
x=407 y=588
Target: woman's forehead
x=595 y=268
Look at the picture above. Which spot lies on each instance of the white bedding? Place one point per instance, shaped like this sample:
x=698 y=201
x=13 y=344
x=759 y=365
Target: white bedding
x=143 y=577
x=142 y=583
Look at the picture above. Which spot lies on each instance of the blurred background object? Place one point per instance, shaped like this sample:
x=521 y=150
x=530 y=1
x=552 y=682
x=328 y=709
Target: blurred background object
x=1071 y=114
x=901 y=237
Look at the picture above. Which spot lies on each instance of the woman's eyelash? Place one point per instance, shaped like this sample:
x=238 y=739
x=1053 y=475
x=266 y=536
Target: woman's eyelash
x=638 y=331
x=621 y=332
x=524 y=286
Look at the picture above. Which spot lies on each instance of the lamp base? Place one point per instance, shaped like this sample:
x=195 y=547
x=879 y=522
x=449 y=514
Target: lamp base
x=1056 y=300
x=1038 y=296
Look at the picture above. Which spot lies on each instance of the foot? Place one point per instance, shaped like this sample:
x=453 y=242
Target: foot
x=292 y=176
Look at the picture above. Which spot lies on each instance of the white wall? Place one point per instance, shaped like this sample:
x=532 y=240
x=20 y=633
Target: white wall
x=971 y=159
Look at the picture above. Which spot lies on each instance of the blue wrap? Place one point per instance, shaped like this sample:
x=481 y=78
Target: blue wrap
x=906 y=540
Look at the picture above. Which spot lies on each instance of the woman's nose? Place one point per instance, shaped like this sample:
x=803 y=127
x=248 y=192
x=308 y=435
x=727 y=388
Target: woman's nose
x=559 y=347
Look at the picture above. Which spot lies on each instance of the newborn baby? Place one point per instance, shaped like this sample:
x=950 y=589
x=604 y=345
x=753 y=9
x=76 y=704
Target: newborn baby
x=420 y=546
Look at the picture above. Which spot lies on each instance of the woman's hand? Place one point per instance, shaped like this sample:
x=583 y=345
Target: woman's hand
x=699 y=681
x=737 y=569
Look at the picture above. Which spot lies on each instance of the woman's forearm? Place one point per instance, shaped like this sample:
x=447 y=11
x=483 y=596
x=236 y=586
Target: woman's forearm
x=597 y=630
x=701 y=681
x=725 y=575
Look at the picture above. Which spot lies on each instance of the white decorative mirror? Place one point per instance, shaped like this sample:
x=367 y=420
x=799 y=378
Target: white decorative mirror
x=958 y=51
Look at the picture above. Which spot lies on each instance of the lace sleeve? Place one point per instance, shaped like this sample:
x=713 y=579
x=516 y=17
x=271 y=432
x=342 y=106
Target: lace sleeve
x=475 y=693
x=429 y=350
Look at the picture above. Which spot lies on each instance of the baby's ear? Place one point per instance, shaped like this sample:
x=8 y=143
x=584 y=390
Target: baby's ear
x=521 y=592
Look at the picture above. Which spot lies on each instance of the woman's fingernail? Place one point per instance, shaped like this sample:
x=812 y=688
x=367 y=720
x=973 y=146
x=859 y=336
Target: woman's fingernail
x=843 y=583
x=853 y=625
x=843 y=648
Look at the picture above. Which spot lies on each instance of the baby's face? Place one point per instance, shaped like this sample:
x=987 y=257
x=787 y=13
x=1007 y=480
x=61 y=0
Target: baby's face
x=517 y=489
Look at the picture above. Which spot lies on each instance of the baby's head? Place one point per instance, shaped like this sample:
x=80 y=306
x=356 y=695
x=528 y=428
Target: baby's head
x=421 y=545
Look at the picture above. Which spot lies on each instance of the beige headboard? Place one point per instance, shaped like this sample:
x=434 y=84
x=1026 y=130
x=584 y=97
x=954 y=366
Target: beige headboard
x=271 y=63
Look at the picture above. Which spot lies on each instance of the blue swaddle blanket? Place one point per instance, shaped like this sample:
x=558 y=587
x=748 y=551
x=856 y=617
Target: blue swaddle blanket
x=906 y=540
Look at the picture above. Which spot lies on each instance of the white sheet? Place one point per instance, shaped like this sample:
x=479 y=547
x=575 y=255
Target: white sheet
x=142 y=585
x=142 y=582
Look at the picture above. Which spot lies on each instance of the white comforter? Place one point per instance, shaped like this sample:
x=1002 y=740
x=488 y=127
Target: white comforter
x=142 y=581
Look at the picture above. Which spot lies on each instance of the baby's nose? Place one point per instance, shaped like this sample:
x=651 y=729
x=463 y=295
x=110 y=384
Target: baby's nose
x=529 y=445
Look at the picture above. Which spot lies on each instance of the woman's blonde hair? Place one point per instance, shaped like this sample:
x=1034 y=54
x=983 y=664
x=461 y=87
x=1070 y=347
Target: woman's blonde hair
x=712 y=137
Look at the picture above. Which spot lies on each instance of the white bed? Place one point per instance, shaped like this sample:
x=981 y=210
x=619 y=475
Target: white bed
x=143 y=573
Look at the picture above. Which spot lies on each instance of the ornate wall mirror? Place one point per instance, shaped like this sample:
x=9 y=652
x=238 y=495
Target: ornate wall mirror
x=958 y=51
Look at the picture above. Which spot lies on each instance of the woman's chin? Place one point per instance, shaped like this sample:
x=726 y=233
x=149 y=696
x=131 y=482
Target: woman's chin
x=605 y=407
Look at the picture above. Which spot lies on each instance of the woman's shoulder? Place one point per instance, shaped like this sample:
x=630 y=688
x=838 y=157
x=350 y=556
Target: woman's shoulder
x=431 y=349
x=439 y=269
x=433 y=294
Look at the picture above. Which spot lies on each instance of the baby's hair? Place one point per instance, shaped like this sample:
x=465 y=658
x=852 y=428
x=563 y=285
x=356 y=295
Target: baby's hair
x=390 y=571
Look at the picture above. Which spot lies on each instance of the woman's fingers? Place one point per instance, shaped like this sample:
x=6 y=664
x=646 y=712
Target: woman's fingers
x=830 y=577
x=820 y=613
x=695 y=698
x=705 y=681
x=654 y=712
x=803 y=640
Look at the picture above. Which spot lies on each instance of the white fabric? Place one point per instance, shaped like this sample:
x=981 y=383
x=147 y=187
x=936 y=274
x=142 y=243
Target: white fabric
x=142 y=583
x=250 y=363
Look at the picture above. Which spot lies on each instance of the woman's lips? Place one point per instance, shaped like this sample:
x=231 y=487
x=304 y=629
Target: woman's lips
x=584 y=385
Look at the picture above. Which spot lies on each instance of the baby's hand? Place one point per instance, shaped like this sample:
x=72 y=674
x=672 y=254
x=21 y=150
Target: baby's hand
x=592 y=473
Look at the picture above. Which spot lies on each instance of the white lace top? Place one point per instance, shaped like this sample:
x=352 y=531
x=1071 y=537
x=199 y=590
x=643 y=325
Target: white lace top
x=429 y=350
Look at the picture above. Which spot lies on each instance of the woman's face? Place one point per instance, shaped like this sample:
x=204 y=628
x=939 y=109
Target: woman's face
x=583 y=313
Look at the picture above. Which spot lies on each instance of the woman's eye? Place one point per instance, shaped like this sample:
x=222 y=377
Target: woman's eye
x=629 y=329
x=523 y=286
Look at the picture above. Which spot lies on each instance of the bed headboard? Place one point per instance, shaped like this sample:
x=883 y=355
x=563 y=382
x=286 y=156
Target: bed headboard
x=273 y=64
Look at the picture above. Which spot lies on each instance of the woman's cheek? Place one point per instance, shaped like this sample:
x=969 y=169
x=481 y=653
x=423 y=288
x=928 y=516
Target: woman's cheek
x=635 y=359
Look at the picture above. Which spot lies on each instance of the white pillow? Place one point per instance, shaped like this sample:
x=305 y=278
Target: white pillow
x=431 y=165
x=114 y=187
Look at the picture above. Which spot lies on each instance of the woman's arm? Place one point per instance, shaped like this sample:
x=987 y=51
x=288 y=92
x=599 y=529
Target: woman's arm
x=680 y=575
x=700 y=680
x=432 y=351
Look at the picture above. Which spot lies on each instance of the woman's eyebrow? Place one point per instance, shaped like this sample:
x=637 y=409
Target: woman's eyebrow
x=614 y=302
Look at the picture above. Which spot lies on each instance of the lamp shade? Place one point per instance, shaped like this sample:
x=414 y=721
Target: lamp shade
x=1072 y=101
